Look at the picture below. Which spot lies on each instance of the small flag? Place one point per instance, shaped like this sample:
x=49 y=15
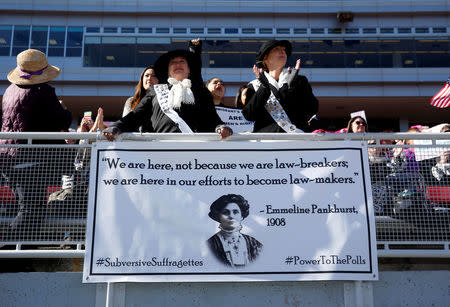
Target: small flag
x=442 y=98
x=88 y=115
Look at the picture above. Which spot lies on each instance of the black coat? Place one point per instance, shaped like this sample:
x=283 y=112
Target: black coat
x=298 y=102
x=200 y=116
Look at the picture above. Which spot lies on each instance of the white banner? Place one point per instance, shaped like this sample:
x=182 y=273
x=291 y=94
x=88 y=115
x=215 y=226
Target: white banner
x=230 y=211
x=234 y=119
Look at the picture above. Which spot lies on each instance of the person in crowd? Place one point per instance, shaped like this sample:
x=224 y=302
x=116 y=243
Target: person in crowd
x=357 y=124
x=30 y=104
x=278 y=100
x=405 y=158
x=177 y=104
x=87 y=125
x=217 y=90
x=229 y=245
x=147 y=79
x=241 y=97
x=442 y=168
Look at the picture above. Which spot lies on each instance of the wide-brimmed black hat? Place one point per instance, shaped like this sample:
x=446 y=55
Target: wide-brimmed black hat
x=162 y=63
x=269 y=45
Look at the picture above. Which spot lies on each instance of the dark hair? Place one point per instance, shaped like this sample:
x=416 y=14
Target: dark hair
x=445 y=128
x=140 y=90
x=217 y=206
x=210 y=80
x=350 y=122
x=237 y=100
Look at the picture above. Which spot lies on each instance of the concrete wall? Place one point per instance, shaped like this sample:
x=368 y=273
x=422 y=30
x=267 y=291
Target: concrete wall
x=407 y=288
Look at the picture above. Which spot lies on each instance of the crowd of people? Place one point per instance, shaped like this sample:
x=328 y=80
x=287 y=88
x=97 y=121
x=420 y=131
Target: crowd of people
x=171 y=97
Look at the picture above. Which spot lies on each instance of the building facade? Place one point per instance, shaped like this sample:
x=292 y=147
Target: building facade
x=387 y=58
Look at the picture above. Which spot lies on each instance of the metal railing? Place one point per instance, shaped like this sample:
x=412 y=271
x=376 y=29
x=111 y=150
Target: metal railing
x=44 y=189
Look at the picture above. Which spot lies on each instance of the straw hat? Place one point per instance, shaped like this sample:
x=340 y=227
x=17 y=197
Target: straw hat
x=32 y=68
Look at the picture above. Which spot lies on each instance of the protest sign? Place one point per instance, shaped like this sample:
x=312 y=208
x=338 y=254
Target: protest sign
x=234 y=119
x=230 y=211
x=430 y=151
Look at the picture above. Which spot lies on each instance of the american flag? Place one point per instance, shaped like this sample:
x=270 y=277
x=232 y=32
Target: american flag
x=442 y=98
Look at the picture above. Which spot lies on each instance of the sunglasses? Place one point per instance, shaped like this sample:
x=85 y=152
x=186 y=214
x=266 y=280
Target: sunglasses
x=359 y=123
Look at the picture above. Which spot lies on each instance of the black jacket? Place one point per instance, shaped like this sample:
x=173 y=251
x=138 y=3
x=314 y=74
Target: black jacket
x=200 y=116
x=298 y=102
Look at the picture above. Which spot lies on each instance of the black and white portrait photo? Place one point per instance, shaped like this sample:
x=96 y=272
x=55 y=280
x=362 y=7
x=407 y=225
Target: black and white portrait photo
x=229 y=245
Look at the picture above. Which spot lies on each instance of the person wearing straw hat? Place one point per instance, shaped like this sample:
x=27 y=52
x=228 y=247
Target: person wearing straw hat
x=278 y=100
x=180 y=103
x=29 y=104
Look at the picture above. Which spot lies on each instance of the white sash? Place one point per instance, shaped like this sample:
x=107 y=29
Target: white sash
x=274 y=107
x=162 y=94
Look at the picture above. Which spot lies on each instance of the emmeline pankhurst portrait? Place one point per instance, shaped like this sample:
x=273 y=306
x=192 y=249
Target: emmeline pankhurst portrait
x=229 y=245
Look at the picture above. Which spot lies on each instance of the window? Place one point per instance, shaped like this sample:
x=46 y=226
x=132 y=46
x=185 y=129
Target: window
x=316 y=52
x=327 y=53
x=387 y=30
x=404 y=30
x=127 y=30
x=197 y=30
x=369 y=30
x=439 y=30
x=118 y=51
x=56 y=41
x=21 y=39
x=162 y=30
x=179 y=30
x=92 y=30
x=214 y=31
x=432 y=52
x=317 y=31
x=283 y=31
x=335 y=31
x=422 y=30
x=248 y=31
x=74 y=41
x=145 y=30
x=39 y=38
x=231 y=31
x=352 y=31
x=109 y=30
x=361 y=53
x=265 y=31
x=300 y=31
x=5 y=40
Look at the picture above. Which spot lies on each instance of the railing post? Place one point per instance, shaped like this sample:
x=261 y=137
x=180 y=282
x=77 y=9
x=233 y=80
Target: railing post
x=358 y=293
x=115 y=294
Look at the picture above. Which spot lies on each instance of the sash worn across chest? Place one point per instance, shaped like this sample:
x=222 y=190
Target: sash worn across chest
x=275 y=109
x=162 y=94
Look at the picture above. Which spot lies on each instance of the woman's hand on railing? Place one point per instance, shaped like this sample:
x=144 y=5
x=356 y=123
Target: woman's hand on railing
x=224 y=131
x=110 y=133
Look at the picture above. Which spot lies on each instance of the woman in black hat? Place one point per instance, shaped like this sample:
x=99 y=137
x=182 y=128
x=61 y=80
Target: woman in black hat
x=279 y=100
x=180 y=103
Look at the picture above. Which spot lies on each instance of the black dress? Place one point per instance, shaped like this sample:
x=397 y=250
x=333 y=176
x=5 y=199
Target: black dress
x=201 y=116
x=298 y=102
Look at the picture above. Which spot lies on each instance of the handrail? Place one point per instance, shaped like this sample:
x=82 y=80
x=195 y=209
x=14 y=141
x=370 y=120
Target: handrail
x=410 y=231
x=238 y=136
